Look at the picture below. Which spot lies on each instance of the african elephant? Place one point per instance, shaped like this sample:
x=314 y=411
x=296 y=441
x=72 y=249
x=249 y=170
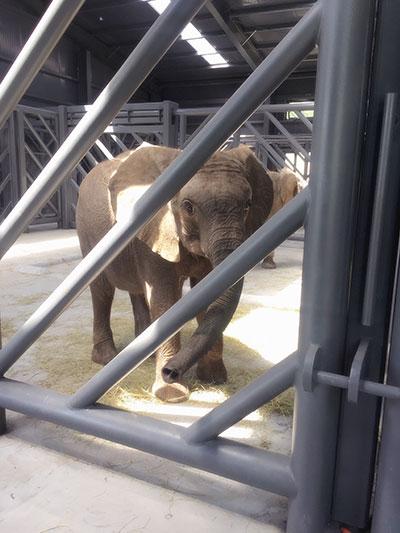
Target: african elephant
x=223 y=203
x=286 y=185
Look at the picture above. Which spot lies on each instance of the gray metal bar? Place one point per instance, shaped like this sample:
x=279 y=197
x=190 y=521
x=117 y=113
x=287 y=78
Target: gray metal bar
x=288 y=135
x=382 y=190
x=139 y=64
x=274 y=108
x=370 y=387
x=266 y=78
x=37 y=49
x=265 y=144
x=262 y=390
x=251 y=56
x=253 y=466
x=386 y=512
x=304 y=120
x=239 y=262
x=343 y=68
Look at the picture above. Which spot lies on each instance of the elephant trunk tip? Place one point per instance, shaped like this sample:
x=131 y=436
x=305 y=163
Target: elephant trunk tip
x=170 y=374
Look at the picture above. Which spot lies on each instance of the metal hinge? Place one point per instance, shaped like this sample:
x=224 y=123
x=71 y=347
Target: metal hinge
x=313 y=375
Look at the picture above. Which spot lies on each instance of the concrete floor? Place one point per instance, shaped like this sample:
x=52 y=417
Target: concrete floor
x=53 y=479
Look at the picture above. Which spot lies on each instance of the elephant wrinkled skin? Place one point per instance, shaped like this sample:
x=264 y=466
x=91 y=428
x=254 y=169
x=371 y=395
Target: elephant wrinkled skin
x=286 y=186
x=223 y=203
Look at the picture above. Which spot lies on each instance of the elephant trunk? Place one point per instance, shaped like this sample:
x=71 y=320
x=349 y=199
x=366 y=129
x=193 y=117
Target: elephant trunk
x=211 y=327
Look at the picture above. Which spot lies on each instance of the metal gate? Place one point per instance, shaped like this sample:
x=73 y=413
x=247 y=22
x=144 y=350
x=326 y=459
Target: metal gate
x=347 y=282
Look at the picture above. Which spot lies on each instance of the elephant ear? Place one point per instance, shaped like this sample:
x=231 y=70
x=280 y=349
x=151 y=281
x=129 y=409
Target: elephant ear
x=136 y=173
x=261 y=186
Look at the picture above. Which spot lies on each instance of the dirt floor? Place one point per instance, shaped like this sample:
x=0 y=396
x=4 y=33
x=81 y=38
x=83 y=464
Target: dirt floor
x=262 y=332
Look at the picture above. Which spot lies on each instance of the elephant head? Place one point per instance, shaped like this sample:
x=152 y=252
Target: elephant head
x=222 y=204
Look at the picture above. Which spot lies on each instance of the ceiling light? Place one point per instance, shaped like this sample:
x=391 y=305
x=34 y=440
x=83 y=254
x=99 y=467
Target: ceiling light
x=214 y=59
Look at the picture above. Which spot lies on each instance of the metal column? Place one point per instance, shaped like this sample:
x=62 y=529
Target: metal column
x=340 y=110
x=386 y=515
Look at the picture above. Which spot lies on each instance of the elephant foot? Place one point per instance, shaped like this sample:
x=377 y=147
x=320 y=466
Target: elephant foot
x=268 y=263
x=212 y=372
x=103 y=352
x=170 y=392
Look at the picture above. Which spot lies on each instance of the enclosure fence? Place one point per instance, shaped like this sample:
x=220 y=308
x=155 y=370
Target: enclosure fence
x=324 y=363
x=279 y=134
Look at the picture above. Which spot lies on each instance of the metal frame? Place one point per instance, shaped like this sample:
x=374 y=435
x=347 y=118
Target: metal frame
x=266 y=131
x=328 y=209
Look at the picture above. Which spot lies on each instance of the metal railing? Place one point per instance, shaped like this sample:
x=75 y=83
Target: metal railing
x=280 y=134
x=307 y=478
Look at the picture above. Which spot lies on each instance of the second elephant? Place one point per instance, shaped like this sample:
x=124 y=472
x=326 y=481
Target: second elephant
x=286 y=186
x=224 y=202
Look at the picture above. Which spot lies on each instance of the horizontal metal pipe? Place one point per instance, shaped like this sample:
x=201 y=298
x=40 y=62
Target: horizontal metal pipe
x=262 y=390
x=37 y=49
x=253 y=466
x=237 y=264
x=370 y=387
x=247 y=98
x=126 y=81
x=274 y=108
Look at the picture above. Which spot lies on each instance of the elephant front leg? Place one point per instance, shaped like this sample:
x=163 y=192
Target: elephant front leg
x=160 y=298
x=168 y=392
x=211 y=367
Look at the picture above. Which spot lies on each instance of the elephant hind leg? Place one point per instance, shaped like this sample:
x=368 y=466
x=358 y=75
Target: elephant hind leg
x=141 y=313
x=103 y=343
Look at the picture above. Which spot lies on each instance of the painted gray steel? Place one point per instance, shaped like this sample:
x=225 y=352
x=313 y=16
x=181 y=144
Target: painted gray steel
x=37 y=49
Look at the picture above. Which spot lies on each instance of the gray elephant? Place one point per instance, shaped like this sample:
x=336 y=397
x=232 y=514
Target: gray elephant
x=224 y=202
x=286 y=186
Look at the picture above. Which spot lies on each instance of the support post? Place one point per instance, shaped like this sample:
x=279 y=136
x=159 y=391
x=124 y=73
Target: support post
x=341 y=96
x=386 y=514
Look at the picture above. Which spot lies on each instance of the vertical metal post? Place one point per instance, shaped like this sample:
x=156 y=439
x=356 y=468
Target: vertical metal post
x=3 y=425
x=65 y=187
x=359 y=423
x=169 y=124
x=340 y=111
x=386 y=514
x=37 y=49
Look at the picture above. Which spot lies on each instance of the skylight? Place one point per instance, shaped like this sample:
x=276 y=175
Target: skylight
x=193 y=37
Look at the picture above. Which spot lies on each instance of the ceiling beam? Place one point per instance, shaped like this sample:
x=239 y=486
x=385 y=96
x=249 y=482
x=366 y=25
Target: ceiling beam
x=272 y=8
x=237 y=37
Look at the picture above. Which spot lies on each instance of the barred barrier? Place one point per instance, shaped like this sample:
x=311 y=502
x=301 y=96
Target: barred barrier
x=308 y=477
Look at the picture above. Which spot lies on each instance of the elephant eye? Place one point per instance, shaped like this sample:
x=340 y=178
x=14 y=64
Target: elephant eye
x=188 y=207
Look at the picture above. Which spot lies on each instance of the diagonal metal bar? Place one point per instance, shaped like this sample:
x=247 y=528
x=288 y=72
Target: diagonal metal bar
x=118 y=142
x=4 y=182
x=262 y=390
x=265 y=144
x=48 y=129
x=40 y=141
x=37 y=49
x=136 y=68
x=250 y=55
x=243 y=463
x=104 y=149
x=248 y=97
x=304 y=119
x=296 y=145
x=263 y=241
